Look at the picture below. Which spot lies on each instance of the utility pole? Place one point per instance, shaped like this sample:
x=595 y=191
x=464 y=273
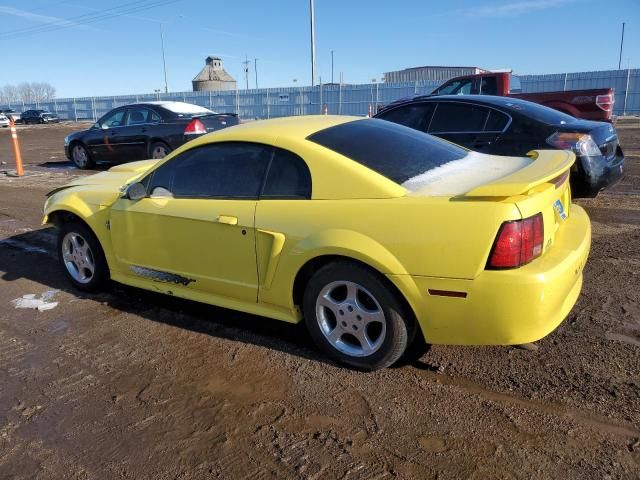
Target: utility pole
x=331 y=66
x=313 y=44
x=246 y=72
x=255 y=69
x=621 y=45
x=164 y=62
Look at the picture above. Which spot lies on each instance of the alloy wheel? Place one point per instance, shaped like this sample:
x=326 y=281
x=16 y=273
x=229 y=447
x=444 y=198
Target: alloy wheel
x=80 y=156
x=350 y=318
x=78 y=257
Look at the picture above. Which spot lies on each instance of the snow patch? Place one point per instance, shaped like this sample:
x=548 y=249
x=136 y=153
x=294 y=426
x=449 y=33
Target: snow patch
x=460 y=176
x=41 y=304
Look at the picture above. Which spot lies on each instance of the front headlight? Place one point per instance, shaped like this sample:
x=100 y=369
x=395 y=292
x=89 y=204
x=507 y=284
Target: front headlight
x=66 y=140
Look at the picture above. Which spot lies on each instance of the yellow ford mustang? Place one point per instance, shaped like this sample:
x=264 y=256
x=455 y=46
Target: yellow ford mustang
x=371 y=232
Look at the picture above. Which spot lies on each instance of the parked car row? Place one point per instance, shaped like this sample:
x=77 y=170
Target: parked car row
x=142 y=130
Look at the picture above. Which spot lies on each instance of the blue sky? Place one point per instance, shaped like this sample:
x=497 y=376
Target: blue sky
x=64 y=43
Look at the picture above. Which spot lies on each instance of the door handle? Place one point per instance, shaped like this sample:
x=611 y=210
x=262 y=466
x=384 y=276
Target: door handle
x=227 y=219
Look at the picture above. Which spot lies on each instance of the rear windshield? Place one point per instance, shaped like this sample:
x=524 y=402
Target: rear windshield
x=539 y=112
x=395 y=151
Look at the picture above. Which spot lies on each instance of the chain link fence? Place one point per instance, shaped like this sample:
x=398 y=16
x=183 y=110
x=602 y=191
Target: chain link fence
x=339 y=99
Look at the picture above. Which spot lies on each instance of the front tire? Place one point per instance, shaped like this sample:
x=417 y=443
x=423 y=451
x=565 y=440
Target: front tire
x=353 y=315
x=80 y=156
x=81 y=257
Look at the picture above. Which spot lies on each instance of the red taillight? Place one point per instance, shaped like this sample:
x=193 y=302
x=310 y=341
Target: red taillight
x=605 y=102
x=518 y=242
x=195 y=127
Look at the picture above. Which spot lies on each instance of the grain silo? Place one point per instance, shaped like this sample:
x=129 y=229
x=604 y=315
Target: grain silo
x=213 y=77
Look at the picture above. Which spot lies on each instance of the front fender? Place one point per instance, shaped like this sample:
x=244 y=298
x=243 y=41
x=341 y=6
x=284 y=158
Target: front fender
x=91 y=209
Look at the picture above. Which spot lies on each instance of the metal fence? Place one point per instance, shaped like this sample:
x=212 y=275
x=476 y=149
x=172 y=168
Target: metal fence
x=339 y=99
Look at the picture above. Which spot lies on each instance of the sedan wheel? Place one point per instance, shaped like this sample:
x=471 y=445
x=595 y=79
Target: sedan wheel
x=159 y=150
x=81 y=157
x=78 y=258
x=354 y=315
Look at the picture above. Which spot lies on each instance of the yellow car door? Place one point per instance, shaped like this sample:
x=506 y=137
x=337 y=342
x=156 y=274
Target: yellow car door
x=195 y=228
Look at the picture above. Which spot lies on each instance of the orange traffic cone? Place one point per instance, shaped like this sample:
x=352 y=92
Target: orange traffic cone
x=16 y=147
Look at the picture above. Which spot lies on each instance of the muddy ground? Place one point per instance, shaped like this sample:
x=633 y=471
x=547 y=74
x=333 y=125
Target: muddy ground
x=133 y=385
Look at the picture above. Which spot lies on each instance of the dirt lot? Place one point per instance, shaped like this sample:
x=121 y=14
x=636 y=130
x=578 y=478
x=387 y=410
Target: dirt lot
x=130 y=384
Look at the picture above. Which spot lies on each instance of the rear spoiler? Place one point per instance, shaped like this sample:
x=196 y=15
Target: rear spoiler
x=547 y=166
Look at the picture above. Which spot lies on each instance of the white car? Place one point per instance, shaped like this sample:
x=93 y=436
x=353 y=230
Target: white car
x=4 y=121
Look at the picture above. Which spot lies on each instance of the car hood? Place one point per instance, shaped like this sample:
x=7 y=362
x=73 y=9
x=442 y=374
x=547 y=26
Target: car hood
x=110 y=183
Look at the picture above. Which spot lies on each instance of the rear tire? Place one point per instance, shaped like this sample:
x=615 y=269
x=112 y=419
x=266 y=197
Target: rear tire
x=82 y=257
x=354 y=317
x=159 y=150
x=81 y=157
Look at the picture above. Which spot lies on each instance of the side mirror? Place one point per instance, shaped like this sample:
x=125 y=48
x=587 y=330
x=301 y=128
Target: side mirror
x=103 y=126
x=135 y=191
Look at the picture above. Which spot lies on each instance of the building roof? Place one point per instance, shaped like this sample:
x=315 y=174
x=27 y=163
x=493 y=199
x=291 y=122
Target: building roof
x=210 y=72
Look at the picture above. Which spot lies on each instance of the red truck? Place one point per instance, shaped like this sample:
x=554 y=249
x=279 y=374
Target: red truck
x=592 y=104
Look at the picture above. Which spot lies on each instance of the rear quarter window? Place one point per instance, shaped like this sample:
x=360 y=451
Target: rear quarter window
x=395 y=151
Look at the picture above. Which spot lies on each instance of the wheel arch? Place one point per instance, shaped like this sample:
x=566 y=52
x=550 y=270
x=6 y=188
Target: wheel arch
x=311 y=266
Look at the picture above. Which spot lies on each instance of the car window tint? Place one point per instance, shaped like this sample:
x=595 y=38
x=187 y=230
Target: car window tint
x=225 y=170
x=496 y=121
x=489 y=86
x=458 y=87
x=288 y=177
x=137 y=116
x=155 y=117
x=114 y=119
x=414 y=116
x=392 y=150
x=457 y=117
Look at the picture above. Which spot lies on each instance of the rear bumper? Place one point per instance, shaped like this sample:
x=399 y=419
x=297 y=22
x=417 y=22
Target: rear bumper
x=598 y=174
x=507 y=307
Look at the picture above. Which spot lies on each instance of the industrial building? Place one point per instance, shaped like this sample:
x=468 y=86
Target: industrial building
x=430 y=73
x=213 y=77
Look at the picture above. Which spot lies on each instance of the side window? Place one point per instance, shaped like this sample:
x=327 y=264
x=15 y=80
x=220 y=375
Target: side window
x=114 y=119
x=223 y=170
x=288 y=177
x=415 y=116
x=457 y=87
x=457 y=117
x=496 y=121
x=155 y=118
x=488 y=86
x=138 y=116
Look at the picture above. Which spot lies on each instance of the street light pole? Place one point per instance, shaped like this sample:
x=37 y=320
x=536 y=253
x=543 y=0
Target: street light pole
x=621 y=44
x=331 y=66
x=164 y=62
x=255 y=68
x=313 y=44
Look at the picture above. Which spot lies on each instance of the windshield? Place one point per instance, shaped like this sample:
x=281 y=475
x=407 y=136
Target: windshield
x=395 y=151
x=457 y=87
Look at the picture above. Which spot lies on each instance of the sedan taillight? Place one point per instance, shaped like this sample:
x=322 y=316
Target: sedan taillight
x=518 y=242
x=195 y=127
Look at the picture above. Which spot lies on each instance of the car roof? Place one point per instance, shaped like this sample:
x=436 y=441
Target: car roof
x=293 y=128
x=487 y=100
